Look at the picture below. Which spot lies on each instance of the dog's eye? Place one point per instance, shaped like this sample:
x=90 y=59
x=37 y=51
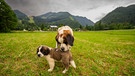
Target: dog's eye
x=65 y=41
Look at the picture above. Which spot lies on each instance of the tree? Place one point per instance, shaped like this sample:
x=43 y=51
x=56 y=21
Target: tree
x=80 y=27
x=8 y=19
x=98 y=26
x=42 y=26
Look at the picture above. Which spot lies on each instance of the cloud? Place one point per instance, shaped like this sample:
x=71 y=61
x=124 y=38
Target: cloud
x=92 y=9
x=30 y=7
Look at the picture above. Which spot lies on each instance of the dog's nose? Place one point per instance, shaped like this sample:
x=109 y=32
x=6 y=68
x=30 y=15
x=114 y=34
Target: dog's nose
x=62 y=48
x=38 y=55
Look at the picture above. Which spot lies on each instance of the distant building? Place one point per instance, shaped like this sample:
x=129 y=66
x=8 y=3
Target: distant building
x=24 y=30
x=53 y=27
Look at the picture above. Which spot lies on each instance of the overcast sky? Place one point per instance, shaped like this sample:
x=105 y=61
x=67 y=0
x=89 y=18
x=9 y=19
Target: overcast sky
x=92 y=9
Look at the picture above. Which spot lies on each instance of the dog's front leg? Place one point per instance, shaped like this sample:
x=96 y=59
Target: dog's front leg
x=51 y=64
x=66 y=64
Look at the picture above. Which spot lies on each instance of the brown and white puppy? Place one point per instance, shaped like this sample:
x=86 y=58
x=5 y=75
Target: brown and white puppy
x=64 y=38
x=52 y=55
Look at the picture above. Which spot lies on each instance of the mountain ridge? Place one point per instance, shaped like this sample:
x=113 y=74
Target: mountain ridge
x=119 y=18
x=20 y=15
x=120 y=15
x=57 y=18
x=83 y=20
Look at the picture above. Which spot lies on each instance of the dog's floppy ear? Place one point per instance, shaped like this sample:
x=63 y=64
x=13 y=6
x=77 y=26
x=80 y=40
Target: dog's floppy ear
x=45 y=51
x=70 y=39
x=56 y=38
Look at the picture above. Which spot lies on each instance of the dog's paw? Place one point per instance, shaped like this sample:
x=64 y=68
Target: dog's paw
x=64 y=71
x=49 y=70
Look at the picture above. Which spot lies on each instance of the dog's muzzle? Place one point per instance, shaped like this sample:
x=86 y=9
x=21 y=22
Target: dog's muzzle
x=62 y=48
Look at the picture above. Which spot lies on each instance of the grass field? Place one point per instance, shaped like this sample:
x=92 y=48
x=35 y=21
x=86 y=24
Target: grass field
x=96 y=53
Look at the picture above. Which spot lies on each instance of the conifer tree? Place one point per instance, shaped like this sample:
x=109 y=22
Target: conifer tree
x=8 y=19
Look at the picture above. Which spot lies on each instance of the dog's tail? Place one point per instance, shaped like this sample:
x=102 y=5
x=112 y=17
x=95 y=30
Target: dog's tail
x=73 y=63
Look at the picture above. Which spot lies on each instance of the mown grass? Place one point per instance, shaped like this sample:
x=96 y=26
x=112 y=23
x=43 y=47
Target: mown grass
x=96 y=53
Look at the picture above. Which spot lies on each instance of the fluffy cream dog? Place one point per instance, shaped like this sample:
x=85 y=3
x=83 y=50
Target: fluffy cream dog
x=64 y=38
x=52 y=55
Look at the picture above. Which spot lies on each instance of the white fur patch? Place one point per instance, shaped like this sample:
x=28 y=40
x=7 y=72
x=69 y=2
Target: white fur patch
x=40 y=48
x=66 y=47
x=61 y=29
x=65 y=71
x=60 y=39
x=51 y=63
x=39 y=52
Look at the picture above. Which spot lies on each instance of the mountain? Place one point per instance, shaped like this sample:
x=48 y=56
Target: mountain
x=83 y=20
x=53 y=18
x=120 y=15
x=20 y=15
x=63 y=18
x=120 y=18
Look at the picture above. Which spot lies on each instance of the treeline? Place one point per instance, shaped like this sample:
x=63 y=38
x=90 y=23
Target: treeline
x=32 y=26
x=113 y=26
x=25 y=25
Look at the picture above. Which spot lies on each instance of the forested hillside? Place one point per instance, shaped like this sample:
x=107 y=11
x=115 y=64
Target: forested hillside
x=51 y=18
x=120 y=18
x=8 y=19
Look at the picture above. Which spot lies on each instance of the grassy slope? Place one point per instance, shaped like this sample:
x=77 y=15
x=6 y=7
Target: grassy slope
x=31 y=20
x=98 y=53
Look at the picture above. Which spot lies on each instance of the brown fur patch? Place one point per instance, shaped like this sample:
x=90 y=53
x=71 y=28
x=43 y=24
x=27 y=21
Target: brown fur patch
x=66 y=32
x=58 y=55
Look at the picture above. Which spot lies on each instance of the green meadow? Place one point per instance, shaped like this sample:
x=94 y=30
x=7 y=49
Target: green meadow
x=96 y=53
